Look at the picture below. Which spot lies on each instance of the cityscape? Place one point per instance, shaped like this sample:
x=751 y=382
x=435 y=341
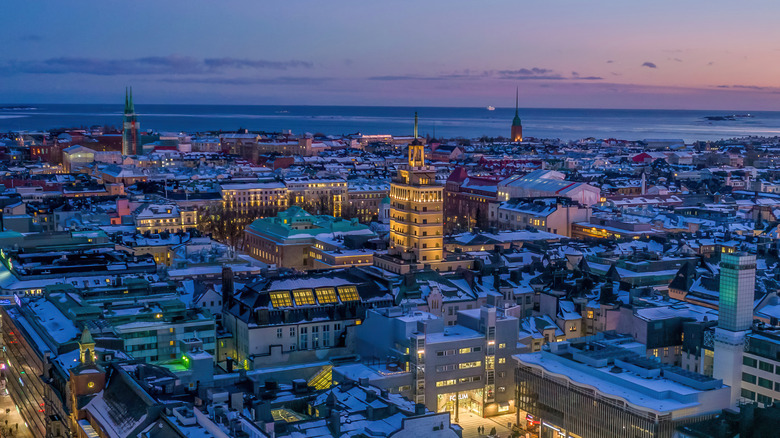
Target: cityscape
x=181 y=268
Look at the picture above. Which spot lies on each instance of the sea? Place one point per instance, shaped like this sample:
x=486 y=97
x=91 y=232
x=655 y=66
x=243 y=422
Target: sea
x=549 y=123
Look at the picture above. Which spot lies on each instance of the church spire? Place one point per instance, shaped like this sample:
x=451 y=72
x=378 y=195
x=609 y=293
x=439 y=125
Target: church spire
x=127 y=101
x=517 y=124
x=131 y=107
x=415 y=124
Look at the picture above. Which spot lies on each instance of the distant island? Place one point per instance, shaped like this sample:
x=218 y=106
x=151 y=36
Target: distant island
x=730 y=117
x=17 y=108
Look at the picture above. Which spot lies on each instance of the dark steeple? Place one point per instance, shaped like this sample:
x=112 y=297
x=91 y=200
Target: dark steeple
x=516 y=121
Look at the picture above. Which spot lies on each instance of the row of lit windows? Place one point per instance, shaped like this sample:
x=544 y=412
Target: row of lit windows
x=305 y=297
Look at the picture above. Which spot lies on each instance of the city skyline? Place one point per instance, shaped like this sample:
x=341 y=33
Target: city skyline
x=595 y=55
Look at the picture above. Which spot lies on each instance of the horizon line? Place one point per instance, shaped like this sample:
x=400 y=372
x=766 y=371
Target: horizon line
x=398 y=106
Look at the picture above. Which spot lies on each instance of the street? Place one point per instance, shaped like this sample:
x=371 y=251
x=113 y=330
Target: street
x=13 y=418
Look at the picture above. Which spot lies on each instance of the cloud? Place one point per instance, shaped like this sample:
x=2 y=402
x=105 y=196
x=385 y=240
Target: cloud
x=253 y=63
x=216 y=80
x=534 y=73
x=150 y=65
x=649 y=65
x=746 y=87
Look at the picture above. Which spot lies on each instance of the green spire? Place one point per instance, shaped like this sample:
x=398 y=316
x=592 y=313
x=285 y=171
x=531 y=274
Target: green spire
x=516 y=121
x=127 y=102
x=132 y=107
x=415 y=124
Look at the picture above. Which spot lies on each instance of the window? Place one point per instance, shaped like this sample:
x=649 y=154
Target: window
x=501 y=346
x=467 y=365
x=764 y=383
x=748 y=378
x=326 y=295
x=303 y=297
x=348 y=293
x=278 y=333
x=765 y=366
x=337 y=326
x=766 y=400
x=449 y=382
x=292 y=331
x=749 y=361
x=280 y=299
x=501 y=360
x=748 y=394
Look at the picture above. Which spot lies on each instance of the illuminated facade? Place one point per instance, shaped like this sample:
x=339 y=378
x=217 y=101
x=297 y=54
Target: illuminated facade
x=416 y=220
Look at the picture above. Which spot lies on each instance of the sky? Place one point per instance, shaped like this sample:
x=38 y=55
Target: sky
x=667 y=54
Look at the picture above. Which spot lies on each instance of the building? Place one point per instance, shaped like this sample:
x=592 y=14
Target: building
x=604 y=386
x=416 y=224
x=469 y=202
x=160 y=218
x=547 y=183
x=130 y=127
x=365 y=200
x=299 y=240
x=318 y=195
x=735 y=319
x=264 y=198
x=459 y=368
x=296 y=320
x=517 y=124
x=554 y=215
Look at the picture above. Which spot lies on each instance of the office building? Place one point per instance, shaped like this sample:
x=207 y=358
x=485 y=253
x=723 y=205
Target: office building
x=735 y=319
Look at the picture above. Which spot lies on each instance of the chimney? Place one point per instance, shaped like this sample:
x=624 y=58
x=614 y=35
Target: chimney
x=227 y=286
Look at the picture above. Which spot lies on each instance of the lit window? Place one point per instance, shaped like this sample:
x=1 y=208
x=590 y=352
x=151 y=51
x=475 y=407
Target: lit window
x=281 y=299
x=326 y=295
x=348 y=293
x=303 y=297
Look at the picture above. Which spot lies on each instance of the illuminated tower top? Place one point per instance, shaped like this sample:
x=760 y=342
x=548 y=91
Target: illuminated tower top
x=416 y=149
x=737 y=288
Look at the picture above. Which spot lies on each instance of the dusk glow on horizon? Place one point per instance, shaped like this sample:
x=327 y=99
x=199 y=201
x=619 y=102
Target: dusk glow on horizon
x=598 y=54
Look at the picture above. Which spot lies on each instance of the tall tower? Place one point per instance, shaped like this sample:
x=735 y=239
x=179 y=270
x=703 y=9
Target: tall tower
x=517 y=125
x=130 y=126
x=416 y=212
x=735 y=318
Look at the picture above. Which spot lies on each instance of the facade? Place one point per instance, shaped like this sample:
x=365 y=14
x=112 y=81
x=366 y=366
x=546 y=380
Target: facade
x=469 y=202
x=318 y=196
x=169 y=218
x=299 y=240
x=547 y=183
x=365 y=201
x=605 y=386
x=295 y=320
x=265 y=198
x=554 y=215
x=761 y=368
x=417 y=223
x=458 y=368
x=130 y=127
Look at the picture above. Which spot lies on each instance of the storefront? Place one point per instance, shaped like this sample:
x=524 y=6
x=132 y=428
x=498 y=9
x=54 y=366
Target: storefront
x=463 y=401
